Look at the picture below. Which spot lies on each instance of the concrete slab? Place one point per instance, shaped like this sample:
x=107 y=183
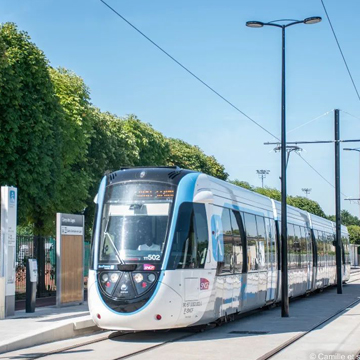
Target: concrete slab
x=45 y=325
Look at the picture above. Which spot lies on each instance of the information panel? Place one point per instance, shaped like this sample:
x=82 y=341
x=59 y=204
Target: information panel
x=69 y=259
x=8 y=249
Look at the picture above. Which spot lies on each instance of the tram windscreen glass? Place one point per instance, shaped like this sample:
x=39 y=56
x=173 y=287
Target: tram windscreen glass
x=134 y=222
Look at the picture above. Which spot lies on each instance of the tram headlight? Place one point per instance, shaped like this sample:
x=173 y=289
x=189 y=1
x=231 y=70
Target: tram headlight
x=114 y=277
x=104 y=277
x=151 y=277
x=138 y=277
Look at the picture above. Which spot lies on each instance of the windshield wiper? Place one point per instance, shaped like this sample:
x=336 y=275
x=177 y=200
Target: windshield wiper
x=114 y=247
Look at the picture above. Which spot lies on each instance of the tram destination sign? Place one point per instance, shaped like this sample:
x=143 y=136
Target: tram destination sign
x=71 y=224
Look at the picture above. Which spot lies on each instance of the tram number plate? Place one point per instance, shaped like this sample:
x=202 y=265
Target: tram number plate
x=152 y=257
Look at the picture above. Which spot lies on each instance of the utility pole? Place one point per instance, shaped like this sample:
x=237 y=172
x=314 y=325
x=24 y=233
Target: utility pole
x=358 y=150
x=306 y=191
x=337 y=202
x=262 y=175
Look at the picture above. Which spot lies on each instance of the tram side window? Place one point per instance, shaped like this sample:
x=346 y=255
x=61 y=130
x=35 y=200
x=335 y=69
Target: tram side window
x=262 y=246
x=309 y=249
x=190 y=243
x=303 y=247
x=332 y=254
x=345 y=242
x=298 y=247
x=255 y=238
x=238 y=249
x=233 y=253
x=321 y=250
x=326 y=249
x=228 y=242
x=271 y=251
x=291 y=246
x=93 y=238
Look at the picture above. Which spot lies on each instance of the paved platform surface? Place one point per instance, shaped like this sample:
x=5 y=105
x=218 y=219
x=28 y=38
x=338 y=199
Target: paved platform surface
x=44 y=325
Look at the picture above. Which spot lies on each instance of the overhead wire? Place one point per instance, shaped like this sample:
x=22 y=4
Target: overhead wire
x=341 y=52
x=318 y=117
x=319 y=174
x=189 y=71
x=356 y=117
x=208 y=86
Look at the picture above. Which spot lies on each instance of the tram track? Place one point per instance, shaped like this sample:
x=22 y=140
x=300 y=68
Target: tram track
x=111 y=336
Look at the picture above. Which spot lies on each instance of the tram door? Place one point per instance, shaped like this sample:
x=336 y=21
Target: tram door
x=309 y=257
x=271 y=260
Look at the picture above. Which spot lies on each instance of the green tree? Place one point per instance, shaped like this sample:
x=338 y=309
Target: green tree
x=153 y=148
x=76 y=130
x=354 y=234
x=111 y=148
x=299 y=202
x=306 y=204
x=192 y=157
x=346 y=218
x=243 y=184
x=215 y=168
x=270 y=192
x=30 y=120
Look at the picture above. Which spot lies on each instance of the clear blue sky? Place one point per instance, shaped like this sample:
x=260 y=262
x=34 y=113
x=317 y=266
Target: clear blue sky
x=126 y=74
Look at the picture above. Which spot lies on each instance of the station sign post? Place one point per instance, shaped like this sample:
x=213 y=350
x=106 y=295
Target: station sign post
x=69 y=259
x=31 y=281
x=8 y=250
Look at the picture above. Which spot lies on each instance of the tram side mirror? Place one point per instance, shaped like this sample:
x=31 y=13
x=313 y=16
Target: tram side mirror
x=204 y=197
x=96 y=199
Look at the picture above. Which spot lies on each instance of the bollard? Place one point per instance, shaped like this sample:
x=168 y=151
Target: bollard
x=31 y=282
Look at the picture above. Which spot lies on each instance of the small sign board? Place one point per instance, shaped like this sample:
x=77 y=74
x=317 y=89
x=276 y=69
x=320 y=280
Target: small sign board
x=69 y=259
x=8 y=247
x=33 y=270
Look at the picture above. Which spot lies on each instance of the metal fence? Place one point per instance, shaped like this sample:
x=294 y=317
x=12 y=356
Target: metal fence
x=44 y=250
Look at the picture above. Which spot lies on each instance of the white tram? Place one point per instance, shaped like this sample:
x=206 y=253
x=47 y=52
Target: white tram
x=176 y=248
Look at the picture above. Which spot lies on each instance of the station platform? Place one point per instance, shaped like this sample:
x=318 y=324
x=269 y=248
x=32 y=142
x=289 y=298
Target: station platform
x=46 y=324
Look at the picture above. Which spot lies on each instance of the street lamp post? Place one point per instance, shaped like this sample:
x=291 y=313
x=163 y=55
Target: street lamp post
x=306 y=191
x=358 y=150
x=284 y=265
x=262 y=175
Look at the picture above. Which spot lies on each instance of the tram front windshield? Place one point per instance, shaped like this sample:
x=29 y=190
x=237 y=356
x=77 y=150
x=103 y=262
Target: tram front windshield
x=134 y=222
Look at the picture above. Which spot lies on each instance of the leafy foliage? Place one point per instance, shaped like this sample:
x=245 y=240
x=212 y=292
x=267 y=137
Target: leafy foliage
x=111 y=147
x=270 y=192
x=192 y=157
x=30 y=118
x=306 y=204
x=76 y=129
x=300 y=202
x=152 y=146
x=354 y=234
x=243 y=184
x=346 y=218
